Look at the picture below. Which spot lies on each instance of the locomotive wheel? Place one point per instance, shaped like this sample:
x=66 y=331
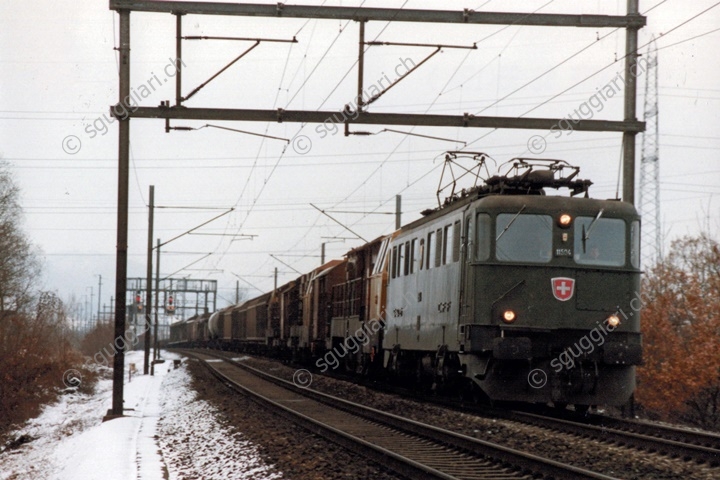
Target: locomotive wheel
x=472 y=394
x=581 y=409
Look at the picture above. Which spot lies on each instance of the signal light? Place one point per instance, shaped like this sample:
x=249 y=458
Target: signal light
x=508 y=316
x=564 y=220
x=613 y=321
x=169 y=307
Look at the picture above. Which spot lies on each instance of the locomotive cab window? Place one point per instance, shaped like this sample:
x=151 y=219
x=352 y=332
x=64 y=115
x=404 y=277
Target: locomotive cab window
x=448 y=243
x=432 y=245
x=523 y=238
x=393 y=262
x=600 y=241
x=439 y=248
x=408 y=257
x=482 y=236
x=456 y=242
x=413 y=255
x=401 y=262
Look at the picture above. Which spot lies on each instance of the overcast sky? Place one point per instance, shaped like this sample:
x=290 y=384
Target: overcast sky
x=58 y=76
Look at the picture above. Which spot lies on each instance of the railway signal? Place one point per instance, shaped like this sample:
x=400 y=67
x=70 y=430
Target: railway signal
x=170 y=307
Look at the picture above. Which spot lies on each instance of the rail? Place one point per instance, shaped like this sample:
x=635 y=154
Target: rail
x=410 y=448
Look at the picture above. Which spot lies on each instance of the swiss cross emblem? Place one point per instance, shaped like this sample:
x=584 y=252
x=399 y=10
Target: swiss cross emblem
x=563 y=288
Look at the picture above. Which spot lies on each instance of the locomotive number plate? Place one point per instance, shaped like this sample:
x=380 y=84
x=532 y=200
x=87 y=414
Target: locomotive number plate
x=563 y=252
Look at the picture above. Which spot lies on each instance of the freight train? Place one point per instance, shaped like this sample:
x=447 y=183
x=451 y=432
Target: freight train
x=504 y=292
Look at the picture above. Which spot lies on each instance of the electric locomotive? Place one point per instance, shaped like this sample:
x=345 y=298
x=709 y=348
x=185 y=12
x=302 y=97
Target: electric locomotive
x=518 y=295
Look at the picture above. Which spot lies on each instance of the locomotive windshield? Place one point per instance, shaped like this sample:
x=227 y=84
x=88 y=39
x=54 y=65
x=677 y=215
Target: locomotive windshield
x=527 y=239
x=603 y=245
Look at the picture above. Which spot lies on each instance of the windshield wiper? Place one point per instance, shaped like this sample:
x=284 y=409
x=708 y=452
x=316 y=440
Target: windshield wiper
x=586 y=235
x=511 y=222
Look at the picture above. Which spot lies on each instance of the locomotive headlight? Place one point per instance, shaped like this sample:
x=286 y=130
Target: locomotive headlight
x=508 y=316
x=564 y=220
x=613 y=321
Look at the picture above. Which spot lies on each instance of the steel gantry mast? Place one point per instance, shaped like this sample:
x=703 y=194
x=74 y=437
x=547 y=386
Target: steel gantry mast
x=649 y=199
x=124 y=111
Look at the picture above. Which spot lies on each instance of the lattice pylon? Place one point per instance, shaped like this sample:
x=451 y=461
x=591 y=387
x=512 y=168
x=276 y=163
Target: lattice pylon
x=649 y=199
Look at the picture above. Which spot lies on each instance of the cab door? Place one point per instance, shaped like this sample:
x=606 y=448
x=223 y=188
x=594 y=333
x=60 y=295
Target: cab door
x=467 y=306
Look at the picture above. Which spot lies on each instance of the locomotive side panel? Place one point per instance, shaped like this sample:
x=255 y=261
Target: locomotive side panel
x=423 y=289
x=292 y=314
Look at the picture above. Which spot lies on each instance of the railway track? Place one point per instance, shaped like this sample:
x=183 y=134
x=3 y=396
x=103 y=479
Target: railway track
x=410 y=448
x=674 y=442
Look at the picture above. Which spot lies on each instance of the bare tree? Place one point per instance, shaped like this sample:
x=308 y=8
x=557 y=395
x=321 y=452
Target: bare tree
x=19 y=266
x=36 y=351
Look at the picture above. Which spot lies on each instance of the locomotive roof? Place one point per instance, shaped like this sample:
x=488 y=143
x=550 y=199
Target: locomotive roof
x=496 y=196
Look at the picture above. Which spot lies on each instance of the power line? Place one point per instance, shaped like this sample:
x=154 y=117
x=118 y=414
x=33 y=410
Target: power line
x=619 y=59
x=431 y=105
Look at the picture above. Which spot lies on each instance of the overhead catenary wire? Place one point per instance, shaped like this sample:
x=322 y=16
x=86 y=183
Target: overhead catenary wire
x=572 y=56
x=587 y=77
x=622 y=58
x=317 y=219
x=377 y=169
x=273 y=170
x=372 y=174
x=284 y=150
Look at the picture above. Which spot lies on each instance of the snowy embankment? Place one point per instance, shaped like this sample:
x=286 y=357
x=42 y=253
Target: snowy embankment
x=166 y=434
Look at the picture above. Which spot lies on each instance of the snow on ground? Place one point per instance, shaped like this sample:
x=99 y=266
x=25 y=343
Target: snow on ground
x=216 y=452
x=167 y=434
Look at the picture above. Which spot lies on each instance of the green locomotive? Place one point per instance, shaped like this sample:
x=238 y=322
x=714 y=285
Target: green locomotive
x=519 y=295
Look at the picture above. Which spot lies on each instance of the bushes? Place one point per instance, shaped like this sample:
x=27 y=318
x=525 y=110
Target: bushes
x=35 y=352
x=97 y=339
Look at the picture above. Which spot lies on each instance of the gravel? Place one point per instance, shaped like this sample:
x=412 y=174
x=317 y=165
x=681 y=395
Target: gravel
x=590 y=454
x=292 y=451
